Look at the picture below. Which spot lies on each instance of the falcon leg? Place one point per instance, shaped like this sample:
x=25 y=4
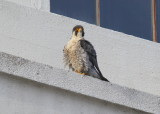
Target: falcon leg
x=81 y=73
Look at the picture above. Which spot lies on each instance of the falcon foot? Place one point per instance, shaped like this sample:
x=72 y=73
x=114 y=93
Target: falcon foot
x=81 y=73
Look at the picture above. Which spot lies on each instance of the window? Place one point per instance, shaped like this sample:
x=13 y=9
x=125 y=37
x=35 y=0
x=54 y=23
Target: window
x=158 y=19
x=140 y=18
x=79 y=9
x=129 y=16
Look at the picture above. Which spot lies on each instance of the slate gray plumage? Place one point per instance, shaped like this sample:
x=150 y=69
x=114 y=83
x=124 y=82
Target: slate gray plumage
x=80 y=55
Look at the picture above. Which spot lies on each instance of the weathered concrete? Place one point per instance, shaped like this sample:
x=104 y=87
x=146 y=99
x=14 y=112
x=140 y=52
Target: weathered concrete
x=37 y=4
x=19 y=96
x=83 y=85
x=40 y=36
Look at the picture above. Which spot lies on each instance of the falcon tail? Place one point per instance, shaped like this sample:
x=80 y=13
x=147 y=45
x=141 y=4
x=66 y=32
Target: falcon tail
x=104 y=79
x=100 y=74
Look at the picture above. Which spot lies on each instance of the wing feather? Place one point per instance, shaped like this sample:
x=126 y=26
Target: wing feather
x=88 y=47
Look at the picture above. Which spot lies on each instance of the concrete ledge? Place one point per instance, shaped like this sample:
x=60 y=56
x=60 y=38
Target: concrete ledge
x=85 y=85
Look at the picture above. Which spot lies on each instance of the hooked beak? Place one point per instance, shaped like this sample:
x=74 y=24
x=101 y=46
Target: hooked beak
x=79 y=30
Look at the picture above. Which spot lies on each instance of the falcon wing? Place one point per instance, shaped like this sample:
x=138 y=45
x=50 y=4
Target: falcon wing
x=66 y=59
x=88 y=47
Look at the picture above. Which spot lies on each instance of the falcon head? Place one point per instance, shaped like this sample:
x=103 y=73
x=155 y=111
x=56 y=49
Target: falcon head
x=78 y=31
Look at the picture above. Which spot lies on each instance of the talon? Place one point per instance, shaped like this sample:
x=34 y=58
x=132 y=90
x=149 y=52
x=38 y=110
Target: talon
x=81 y=73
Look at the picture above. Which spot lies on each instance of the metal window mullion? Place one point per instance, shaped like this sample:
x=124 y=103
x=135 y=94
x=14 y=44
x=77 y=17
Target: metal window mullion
x=98 y=12
x=154 y=23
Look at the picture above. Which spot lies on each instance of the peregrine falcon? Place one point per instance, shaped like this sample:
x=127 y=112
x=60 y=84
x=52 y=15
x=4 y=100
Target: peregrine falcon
x=80 y=55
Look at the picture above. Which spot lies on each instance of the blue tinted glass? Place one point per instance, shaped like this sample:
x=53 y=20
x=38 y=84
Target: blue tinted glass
x=158 y=20
x=79 y=9
x=129 y=16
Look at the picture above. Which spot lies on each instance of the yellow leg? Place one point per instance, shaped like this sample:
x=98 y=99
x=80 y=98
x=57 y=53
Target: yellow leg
x=81 y=73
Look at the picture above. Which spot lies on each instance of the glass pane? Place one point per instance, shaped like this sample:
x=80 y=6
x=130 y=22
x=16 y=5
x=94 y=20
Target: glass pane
x=79 y=9
x=158 y=20
x=129 y=16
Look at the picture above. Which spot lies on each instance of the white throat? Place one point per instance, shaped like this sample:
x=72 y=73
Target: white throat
x=78 y=36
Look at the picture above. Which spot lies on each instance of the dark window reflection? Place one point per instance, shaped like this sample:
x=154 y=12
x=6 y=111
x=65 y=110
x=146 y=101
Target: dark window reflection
x=129 y=16
x=79 y=9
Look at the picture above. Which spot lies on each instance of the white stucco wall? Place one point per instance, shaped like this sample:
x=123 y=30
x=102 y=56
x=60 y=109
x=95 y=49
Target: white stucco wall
x=37 y=4
x=40 y=36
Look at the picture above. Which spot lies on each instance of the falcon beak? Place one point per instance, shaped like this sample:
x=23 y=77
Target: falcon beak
x=79 y=29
